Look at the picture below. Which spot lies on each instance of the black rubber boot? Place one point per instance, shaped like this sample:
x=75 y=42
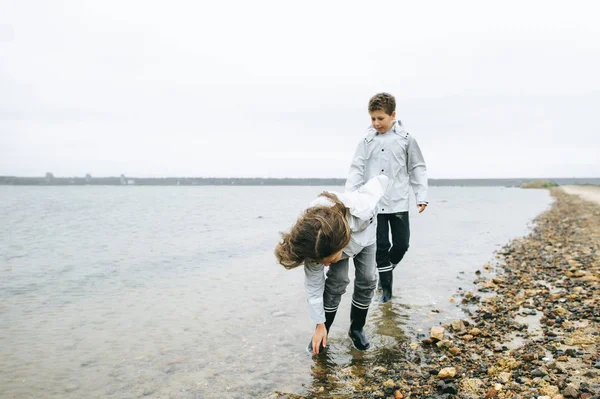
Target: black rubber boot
x=387 y=280
x=358 y=317
x=329 y=317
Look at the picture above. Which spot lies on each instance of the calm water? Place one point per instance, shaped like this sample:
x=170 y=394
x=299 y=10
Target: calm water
x=173 y=292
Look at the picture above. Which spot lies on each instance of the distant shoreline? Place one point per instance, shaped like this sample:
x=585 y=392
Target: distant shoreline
x=50 y=180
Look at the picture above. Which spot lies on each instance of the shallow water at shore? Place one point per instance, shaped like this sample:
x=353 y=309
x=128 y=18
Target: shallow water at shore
x=123 y=292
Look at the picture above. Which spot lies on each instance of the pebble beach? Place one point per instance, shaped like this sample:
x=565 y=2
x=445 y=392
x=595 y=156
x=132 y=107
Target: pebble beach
x=533 y=329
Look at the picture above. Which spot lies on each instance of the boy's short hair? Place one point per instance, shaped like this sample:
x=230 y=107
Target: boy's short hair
x=384 y=102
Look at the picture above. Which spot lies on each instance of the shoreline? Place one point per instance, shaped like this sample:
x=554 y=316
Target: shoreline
x=56 y=181
x=533 y=328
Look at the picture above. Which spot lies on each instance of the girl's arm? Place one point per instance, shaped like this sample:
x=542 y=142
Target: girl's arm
x=314 y=283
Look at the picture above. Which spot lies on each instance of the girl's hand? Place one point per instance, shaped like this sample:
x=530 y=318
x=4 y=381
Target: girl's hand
x=421 y=207
x=319 y=335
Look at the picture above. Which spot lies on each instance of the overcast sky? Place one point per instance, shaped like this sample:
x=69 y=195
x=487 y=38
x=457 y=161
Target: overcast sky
x=280 y=88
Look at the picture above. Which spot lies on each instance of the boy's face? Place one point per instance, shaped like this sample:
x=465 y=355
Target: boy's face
x=381 y=121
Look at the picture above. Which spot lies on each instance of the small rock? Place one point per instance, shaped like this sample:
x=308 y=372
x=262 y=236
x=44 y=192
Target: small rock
x=448 y=372
x=440 y=386
x=471 y=385
x=538 y=373
x=279 y=313
x=398 y=395
x=454 y=350
x=475 y=332
x=437 y=333
x=468 y=337
x=504 y=377
x=450 y=388
x=571 y=352
x=549 y=390
x=491 y=393
x=444 y=344
x=570 y=392
x=561 y=382
x=176 y=360
x=458 y=326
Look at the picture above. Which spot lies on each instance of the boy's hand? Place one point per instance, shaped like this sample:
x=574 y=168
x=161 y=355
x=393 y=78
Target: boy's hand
x=421 y=207
x=319 y=335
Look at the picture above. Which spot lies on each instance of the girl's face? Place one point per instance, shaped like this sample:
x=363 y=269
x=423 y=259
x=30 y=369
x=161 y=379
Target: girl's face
x=381 y=121
x=332 y=258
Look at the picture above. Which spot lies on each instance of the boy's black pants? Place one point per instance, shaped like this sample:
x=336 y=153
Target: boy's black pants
x=388 y=254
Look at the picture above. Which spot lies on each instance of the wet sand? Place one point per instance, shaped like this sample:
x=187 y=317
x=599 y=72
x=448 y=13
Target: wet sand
x=534 y=326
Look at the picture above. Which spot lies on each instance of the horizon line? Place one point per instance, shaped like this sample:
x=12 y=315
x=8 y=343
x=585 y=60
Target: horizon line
x=264 y=178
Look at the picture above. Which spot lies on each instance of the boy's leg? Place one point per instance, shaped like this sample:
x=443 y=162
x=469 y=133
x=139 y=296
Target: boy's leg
x=384 y=264
x=383 y=240
x=364 y=288
x=400 y=226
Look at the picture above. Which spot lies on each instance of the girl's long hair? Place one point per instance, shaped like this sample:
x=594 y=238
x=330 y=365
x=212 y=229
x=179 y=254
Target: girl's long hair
x=319 y=232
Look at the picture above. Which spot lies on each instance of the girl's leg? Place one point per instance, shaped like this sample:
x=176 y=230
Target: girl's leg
x=335 y=285
x=364 y=288
x=365 y=278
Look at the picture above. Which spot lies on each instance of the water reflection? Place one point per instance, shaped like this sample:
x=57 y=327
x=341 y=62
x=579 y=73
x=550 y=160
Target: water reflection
x=342 y=368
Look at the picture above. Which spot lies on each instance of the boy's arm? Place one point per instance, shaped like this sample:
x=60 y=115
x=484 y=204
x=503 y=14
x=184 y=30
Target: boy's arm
x=356 y=177
x=314 y=283
x=417 y=171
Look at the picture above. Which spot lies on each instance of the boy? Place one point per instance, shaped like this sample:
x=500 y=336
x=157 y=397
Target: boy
x=388 y=149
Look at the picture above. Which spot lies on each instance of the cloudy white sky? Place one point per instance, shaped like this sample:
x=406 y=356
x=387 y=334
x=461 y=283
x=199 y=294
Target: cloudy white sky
x=279 y=88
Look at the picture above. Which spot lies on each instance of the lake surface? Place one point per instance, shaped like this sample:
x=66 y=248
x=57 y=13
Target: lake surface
x=174 y=292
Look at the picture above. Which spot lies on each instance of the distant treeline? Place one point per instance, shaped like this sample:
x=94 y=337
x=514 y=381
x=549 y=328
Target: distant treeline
x=50 y=180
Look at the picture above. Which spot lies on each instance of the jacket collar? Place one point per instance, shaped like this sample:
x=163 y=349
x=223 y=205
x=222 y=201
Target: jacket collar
x=396 y=128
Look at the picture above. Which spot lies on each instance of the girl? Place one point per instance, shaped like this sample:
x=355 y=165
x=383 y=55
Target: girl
x=334 y=228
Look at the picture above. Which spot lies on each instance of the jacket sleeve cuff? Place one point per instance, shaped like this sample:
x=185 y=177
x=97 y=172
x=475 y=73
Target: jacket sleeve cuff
x=316 y=310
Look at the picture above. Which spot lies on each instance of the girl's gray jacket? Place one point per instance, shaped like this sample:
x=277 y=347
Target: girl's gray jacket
x=361 y=214
x=397 y=155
